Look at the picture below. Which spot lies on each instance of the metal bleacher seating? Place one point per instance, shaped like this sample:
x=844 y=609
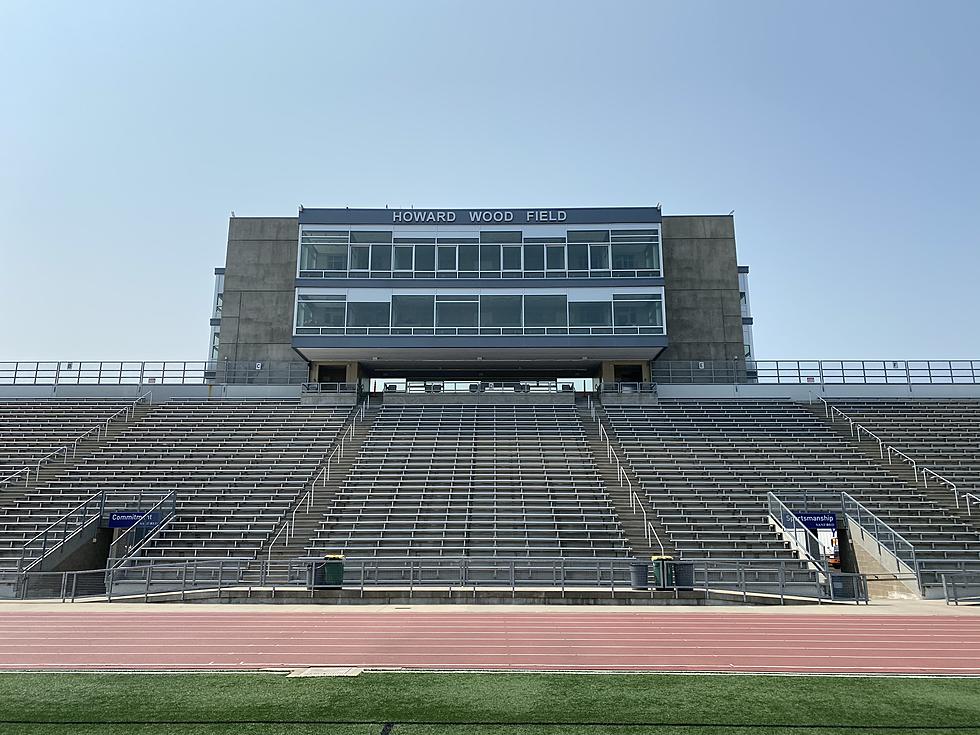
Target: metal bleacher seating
x=707 y=466
x=472 y=480
x=236 y=467
x=31 y=430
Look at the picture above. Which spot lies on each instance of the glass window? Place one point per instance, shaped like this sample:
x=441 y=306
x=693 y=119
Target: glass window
x=534 y=257
x=589 y=314
x=494 y=236
x=588 y=236
x=489 y=257
x=425 y=257
x=634 y=256
x=599 y=257
x=512 y=257
x=638 y=313
x=469 y=257
x=367 y=314
x=411 y=311
x=545 y=311
x=578 y=257
x=556 y=257
x=447 y=257
x=370 y=237
x=403 y=257
x=500 y=311
x=381 y=257
x=456 y=313
x=320 y=314
x=359 y=255
x=324 y=257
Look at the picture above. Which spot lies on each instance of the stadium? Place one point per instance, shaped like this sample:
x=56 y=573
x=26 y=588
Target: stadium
x=540 y=433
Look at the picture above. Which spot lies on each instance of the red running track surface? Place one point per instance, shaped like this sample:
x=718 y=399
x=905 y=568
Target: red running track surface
x=538 y=641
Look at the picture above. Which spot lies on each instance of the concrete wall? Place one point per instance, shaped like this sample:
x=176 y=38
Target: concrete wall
x=701 y=293
x=260 y=273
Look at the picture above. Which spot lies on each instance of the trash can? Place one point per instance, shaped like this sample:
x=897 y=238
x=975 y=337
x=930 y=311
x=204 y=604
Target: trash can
x=639 y=575
x=683 y=574
x=663 y=572
x=327 y=573
x=844 y=586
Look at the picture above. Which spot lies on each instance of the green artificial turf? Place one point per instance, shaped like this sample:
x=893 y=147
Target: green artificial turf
x=482 y=704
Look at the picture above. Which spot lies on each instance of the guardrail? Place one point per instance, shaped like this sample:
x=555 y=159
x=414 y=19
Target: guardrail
x=329 y=388
x=818 y=372
x=803 y=538
x=476 y=386
x=649 y=532
x=961 y=587
x=63 y=530
x=887 y=451
x=99 y=429
x=136 y=536
x=288 y=528
x=160 y=372
x=887 y=538
x=459 y=576
x=629 y=388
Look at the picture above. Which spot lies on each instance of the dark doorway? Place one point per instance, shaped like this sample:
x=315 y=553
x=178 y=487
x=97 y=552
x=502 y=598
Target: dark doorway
x=628 y=373
x=331 y=374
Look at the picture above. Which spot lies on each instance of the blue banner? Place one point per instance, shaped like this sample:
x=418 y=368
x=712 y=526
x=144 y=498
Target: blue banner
x=814 y=521
x=128 y=519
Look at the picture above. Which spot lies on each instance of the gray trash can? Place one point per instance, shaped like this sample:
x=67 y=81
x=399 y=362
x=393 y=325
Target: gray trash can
x=683 y=574
x=327 y=573
x=639 y=575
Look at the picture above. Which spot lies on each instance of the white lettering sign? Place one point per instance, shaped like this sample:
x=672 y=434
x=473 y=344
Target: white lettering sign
x=476 y=216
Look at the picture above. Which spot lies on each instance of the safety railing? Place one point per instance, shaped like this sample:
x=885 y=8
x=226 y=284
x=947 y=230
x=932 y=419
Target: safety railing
x=473 y=386
x=287 y=530
x=329 y=388
x=807 y=543
x=891 y=453
x=636 y=504
x=63 y=530
x=144 y=528
x=162 y=372
x=889 y=541
x=961 y=587
x=818 y=372
x=627 y=388
x=100 y=430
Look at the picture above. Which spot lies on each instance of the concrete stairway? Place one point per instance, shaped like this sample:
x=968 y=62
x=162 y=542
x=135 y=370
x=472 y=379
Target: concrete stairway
x=278 y=554
x=630 y=519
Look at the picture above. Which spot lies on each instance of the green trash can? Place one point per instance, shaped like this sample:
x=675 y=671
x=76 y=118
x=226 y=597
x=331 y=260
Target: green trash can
x=663 y=572
x=328 y=573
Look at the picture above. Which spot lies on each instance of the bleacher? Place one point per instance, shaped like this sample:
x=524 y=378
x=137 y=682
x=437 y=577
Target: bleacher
x=31 y=430
x=941 y=434
x=462 y=480
x=236 y=466
x=707 y=466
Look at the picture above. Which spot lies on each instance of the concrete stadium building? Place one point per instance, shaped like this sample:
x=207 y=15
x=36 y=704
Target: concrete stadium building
x=595 y=293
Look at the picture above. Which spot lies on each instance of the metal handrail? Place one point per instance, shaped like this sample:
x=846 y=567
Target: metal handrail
x=62 y=522
x=898 y=541
x=114 y=560
x=346 y=434
x=784 y=512
x=887 y=450
x=128 y=410
x=649 y=532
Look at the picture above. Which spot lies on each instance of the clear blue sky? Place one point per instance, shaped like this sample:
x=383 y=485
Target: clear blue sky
x=844 y=135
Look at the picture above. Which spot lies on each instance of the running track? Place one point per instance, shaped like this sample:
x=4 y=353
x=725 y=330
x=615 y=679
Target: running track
x=539 y=641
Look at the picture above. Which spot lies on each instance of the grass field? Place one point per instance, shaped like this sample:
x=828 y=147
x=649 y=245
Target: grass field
x=475 y=704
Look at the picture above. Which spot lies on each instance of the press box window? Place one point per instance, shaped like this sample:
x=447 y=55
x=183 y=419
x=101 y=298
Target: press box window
x=500 y=311
x=545 y=311
x=368 y=314
x=359 y=257
x=447 y=257
x=589 y=314
x=411 y=311
x=320 y=311
x=403 y=257
x=637 y=310
x=457 y=311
